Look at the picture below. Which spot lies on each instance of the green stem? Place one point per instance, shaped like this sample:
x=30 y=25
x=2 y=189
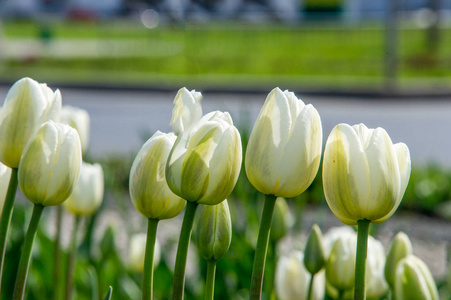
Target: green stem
x=360 y=262
x=310 y=287
x=262 y=247
x=210 y=283
x=178 y=285
x=71 y=259
x=57 y=254
x=147 y=283
x=25 y=257
x=5 y=219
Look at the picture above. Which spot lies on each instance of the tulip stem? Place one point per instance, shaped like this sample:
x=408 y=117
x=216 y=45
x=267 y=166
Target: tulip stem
x=210 y=284
x=147 y=283
x=178 y=285
x=5 y=219
x=360 y=263
x=71 y=259
x=262 y=247
x=310 y=287
x=25 y=257
x=57 y=254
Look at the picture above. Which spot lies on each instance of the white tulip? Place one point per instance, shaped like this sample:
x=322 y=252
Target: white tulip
x=187 y=110
x=79 y=119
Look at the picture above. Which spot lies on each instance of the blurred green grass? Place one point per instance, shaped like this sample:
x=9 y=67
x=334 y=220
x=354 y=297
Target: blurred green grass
x=321 y=55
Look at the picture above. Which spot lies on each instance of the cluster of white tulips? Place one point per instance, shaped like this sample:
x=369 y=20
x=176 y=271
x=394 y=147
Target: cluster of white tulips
x=41 y=145
x=197 y=165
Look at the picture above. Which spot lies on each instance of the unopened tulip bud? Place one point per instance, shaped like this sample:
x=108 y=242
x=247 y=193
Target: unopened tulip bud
x=400 y=248
x=5 y=175
x=284 y=149
x=292 y=279
x=78 y=119
x=282 y=220
x=204 y=163
x=149 y=191
x=214 y=231
x=50 y=164
x=87 y=194
x=27 y=106
x=414 y=281
x=137 y=252
x=340 y=265
x=187 y=110
x=364 y=173
x=314 y=254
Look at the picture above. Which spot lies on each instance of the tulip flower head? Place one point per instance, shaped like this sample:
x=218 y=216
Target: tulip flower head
x=284 y=149
x=282 y=220
x=149 y=191
x=5 y=175
x=27 y=106
x=187 y=110
x=87 y=194
x=79 y=120
x=214 y=231
x=365 y=175
x=314 y=254
x=205 y=162
x=292 y=279
x=137 y=252
x=376 y=286
x=400 y=248
x=414 y=281
x=50 y=164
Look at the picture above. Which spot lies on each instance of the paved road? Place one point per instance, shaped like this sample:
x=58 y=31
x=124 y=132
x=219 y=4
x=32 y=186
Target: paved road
x=121 y=120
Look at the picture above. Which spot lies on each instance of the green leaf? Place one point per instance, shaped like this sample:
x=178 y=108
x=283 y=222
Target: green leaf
x=110 y=292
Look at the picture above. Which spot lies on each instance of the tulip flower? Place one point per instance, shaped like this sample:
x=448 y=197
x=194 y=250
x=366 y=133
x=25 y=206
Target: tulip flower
x=202 y=168
x=214 y=235
x=149 y=191
x=376 y=286
x=49 y=168
x=282 y=159
x=87 y=194
x=284 y=149
x=282 y=220
x=27 y=106
x=204 y=163
x=314 y=255
x=78 y=119
x=137 y=252
x=5 y=175
x=292 y=279
x=187 y=110
x=365 y=176
x=400 y=248
x=413 y=280
x=151 y=195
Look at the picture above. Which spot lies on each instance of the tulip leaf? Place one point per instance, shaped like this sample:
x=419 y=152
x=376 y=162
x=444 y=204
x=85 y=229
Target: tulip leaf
x=110 y=293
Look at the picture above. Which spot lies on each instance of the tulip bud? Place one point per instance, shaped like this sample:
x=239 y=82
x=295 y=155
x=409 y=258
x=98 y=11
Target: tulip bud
x=187 y=110
x=413 y=280
x=27 y=106
x=284 y=149
x=204 y=163
x=214 y=231
x=108 y=243
x=400 y=248
x=137 y=252
x=282 y=220
x=314 y=257
x=79 y=120
x=5 y=175
x=340 y=265
x=87 y=194
x=50 y=164
x=149 y=191
x=376 y=286
x=292 y=279
x=364 y=174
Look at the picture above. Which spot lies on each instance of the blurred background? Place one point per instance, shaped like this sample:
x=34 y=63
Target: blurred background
x=385 y=63
x=230 y=44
